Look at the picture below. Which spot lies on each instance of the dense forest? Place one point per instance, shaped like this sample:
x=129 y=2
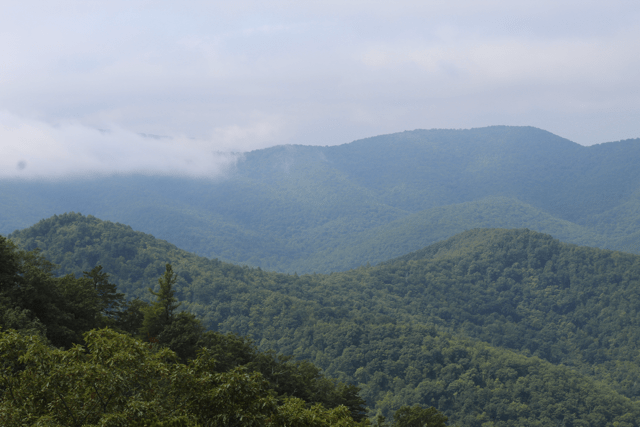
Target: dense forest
x=74 y=353
x=491 y=327
x=325 y=209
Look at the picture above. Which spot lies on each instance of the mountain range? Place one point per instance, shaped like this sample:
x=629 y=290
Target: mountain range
x=492 y=273
x=321 y=209
x=493 y=327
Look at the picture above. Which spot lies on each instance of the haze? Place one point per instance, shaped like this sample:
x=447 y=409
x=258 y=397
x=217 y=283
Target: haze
x=165 y=87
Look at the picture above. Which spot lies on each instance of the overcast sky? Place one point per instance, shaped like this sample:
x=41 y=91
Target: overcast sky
x=165 y=86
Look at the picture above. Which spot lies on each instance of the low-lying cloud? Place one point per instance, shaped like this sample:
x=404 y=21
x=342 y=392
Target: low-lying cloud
x=34 y=149
x=243 y=75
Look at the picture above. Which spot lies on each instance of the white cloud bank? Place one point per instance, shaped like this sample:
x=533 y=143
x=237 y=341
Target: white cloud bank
x=35 y=150
x=236 y=76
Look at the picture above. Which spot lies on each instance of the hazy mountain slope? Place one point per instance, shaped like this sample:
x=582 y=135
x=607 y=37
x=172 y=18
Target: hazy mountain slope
x=417 y=230
x=382 y=327
x=300 y=208
x=175 y=208
x=428 y=168
x=621 y=225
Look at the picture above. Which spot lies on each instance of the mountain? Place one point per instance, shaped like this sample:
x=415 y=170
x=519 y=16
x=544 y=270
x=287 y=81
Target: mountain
x=308 y=208
x=510 y=327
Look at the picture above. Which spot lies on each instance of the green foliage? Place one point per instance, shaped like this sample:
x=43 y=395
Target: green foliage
x=131 y=316
x=181 y=332
x=295 y=413
x=301 y=379
x=416 y=416
x=88 y=298
x=34 y=299
x=109 y=300
x=560 y=323
x=76 y=244
x=160 y=313
x=118 y=381
x=492 y=327
x=11 y=314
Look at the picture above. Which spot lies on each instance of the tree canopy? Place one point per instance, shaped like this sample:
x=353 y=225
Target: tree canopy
x=110 y=378
x=509 y=327
x=116 y=380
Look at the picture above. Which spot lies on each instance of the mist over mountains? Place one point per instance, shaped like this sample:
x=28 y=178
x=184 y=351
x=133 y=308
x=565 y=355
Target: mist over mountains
x=310 y=208
x=470 y=309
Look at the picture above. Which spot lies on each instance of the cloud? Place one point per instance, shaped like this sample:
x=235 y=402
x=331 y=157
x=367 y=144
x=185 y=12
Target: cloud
x=33 y=149
x=248 y=74
x=499 y=62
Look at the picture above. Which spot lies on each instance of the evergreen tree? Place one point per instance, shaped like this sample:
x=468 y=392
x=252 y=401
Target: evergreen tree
x=131 y=316
x=160 y=313
x=110 y=301
x=32 y=299
x=182 y=331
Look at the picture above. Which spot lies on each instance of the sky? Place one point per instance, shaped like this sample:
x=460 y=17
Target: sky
x=92 y=86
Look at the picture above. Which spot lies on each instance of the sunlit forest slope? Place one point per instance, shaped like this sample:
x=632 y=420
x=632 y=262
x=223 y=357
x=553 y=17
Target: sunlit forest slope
x=492 y=326
x=311 y=209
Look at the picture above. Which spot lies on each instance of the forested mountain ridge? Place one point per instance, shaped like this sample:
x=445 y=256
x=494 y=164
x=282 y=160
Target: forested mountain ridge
x=307 y=208
x=559 y=322
x=74 y=353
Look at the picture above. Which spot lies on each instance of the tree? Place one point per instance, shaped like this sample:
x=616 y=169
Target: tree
x=110 y=300
x=416 y=416
x=116 y=380
x=182 y=335
x=160 y=313
x=9 y=264
x=12 y=313
x=33 y=299
x=181 y=332
x=131 y=316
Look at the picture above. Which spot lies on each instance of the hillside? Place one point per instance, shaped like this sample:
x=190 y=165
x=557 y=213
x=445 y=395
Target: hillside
x=307 y=208
x=423 y=228
x=510 y=326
